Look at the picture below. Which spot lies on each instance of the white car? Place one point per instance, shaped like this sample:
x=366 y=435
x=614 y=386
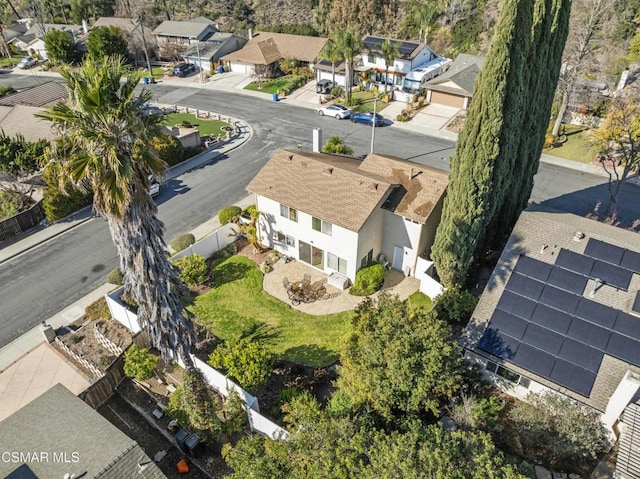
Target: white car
x=28 y=62
x=336 y=110
x=154 y=187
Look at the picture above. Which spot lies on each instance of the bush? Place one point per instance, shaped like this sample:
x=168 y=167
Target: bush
x=57 y=204
x=105 y=361
x=115 y=276
x=231 y=248
x=244 y=361
x=12 y=203
x=97 y=310
x=6 y=90
x=235 y=416
x=193 y=269
x=168 y=148
x=336 y=92
x=404 y=116
x=139 y=363
x=368 y=280
x=227 y=214
x=182 y=242
x=265 y=267
x=249 y=211
x=455 y=305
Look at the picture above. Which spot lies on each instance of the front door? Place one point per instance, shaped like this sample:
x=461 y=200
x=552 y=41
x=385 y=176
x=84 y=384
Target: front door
x=398 y=256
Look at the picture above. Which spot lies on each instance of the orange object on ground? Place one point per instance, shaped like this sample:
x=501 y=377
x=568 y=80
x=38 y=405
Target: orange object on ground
x=183 y=467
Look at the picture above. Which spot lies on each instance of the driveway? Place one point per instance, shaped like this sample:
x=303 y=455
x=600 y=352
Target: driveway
x=434 y=116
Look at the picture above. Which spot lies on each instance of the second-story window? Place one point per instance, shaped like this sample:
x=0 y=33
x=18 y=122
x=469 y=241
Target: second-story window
x=371 y=57
x=322 y=226
x=290 y=213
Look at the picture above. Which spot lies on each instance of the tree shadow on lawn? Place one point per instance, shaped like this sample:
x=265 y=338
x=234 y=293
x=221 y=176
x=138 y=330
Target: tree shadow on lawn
x=311 y=355
x=229 y=271
x=259 y=332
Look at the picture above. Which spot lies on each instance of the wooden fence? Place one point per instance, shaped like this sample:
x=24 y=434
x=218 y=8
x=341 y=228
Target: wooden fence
x=22 y=221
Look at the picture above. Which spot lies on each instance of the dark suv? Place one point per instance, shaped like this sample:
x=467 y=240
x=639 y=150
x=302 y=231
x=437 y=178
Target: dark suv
x=324 y=86
x=183 y=69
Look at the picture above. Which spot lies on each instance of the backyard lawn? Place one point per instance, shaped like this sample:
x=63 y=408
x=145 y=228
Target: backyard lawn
x=268 y=86
x=238 y=307
x=577 y=147
x=205 y=127
x=421 y=301
x=157 y=72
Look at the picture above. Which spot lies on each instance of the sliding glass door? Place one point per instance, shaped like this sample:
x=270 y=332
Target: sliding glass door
x=310 y=254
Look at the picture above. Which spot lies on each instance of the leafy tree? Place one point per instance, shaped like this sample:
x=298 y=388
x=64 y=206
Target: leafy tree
x=389 y=51
x=106 y=41
x=335 y=145
x=256 y=457
x=245 y=361
x=261 y=73
x=619 y=140
x=200 y=404
x=12 y=203
x=499 y=148
x=193 y=269
x=558 y=431
x=333 y=54
x=61 y=198
x=234 y=414
x=228 y=214
x=18 y=156
x=103 y=145
x=60 y=46
x=423 y=15
x=139 y=363
x=350 y=44
x=85 y=9
x=292 y=29
x=400 y=364
x=455 y=305
x=168 y=148
x=288 y=65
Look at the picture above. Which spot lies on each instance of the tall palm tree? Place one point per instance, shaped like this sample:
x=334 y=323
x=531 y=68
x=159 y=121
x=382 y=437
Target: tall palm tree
x=350 y=45
x=332 y=53
x=424 y=14
x=389 y=51
x=102 y=146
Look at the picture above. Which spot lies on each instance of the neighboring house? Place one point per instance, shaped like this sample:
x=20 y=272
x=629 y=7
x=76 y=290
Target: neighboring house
x=184 y=32
x=134 y=33
x=561 y=312
x=59 y=435
x=33 y=39
x=338 y=213
x=206 y=55
x=455 y=86
x=41 y=95
x=14 y=30
x=268 y=48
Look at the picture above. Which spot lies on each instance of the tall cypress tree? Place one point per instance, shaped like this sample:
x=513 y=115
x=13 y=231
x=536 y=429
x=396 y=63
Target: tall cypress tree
x=499 y=134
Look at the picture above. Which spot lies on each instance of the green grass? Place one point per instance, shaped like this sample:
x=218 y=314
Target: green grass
x=10 y=61
x=238 y=307
x=420 y=300
x=157 y=72
x=577 y=147
x=366 y=102
x=269 y=86
x=205 y=127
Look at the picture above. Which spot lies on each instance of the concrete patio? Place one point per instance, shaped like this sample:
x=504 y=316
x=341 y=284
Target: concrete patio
x=395 y=283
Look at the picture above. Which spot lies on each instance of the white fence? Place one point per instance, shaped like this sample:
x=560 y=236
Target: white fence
x=428 y=285
x=210 y=244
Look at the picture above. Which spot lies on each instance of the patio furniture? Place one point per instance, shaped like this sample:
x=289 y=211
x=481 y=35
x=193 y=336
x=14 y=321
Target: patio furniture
x=306 y=278
x=302 y=292
x=286 y=283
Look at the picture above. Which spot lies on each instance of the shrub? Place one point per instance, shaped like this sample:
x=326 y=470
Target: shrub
x=193 y=269
x=245 y=361
x=75 y=338
x=231 y=248
x=455 y=305
x=235 y=416
x=97 y=310
x=249 y=211
x=12 y=203
x=6 y=90
x=182 y=242
x=368 y=280
x=265 y=267
x=59 y=204
x=105 y=361
x=404 y=116
x=287 y=394
x=115 y=276
x=336 y=92
x=273 y=256
x=168 y=148
x=335 y=145
x=227 y=214
x=139 y=363
x=186 y=124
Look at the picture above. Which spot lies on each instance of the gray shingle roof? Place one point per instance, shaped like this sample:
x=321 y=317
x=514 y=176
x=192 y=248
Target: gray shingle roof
x=191 y=29
x=462 y=72
x=57 y=426
x=22 y=120
x=42 y=95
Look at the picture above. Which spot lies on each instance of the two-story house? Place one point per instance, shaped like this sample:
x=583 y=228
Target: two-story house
x=338 y=213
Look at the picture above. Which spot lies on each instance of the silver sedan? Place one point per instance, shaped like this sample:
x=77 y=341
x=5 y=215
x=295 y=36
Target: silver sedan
x=336 y=110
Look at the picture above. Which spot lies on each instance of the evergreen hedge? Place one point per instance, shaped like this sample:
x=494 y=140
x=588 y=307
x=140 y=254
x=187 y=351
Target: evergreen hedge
x=368 y=280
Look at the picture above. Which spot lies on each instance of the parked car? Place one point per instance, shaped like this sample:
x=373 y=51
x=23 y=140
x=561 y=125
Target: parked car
x=28 y=62
x=366 y=117
x=336 y=110
x=183 y=69
x=154 y=186
x=324 y=86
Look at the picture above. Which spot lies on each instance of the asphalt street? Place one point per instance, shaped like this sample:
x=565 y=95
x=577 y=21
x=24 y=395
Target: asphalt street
x=52 y=276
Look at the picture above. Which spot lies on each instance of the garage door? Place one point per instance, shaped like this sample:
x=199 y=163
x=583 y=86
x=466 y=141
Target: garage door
x=447 y=99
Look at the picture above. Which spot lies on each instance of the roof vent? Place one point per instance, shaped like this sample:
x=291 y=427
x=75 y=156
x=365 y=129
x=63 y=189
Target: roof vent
x=415 y=172
x=596 y=286
x=544 y=247
x=373 y=186
x=578 y=236
x=328 y=171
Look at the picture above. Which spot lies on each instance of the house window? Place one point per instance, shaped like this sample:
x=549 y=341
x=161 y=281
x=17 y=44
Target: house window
x=371 y=58
x=286 y=239
x=290 y=213
x=507 y=374
x=322 y=226
x=366 y=259
x=336 y=263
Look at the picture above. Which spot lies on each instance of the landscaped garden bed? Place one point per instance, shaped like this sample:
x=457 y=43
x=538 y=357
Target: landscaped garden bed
x=205 y=127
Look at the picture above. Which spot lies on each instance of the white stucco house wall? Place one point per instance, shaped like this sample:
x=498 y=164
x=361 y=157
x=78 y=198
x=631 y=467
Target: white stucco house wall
x=338 y=213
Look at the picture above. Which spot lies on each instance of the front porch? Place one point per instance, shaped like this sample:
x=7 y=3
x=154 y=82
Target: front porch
x=335 y=300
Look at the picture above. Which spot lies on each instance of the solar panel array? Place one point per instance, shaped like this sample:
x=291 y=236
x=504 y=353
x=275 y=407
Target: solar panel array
x=545 y=325
x=404 y=48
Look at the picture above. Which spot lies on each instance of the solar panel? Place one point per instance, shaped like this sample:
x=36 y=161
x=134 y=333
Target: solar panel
x=568 y=280
x=612 y=275
x=507 y=323
x=636 y=304
x=556 y=298
x=575 y=262
x=533 y=268
x=628 y=325
x=604 y=251
x=596 y=313
x=551 y=318
x=573 y=377
x=527 y=287
x=534 y=360
x=579 y=353
x=516 y=305
x=624 y=348
x=631 y=261
x=589 y=333
x=543 y=339
x=498 y=344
